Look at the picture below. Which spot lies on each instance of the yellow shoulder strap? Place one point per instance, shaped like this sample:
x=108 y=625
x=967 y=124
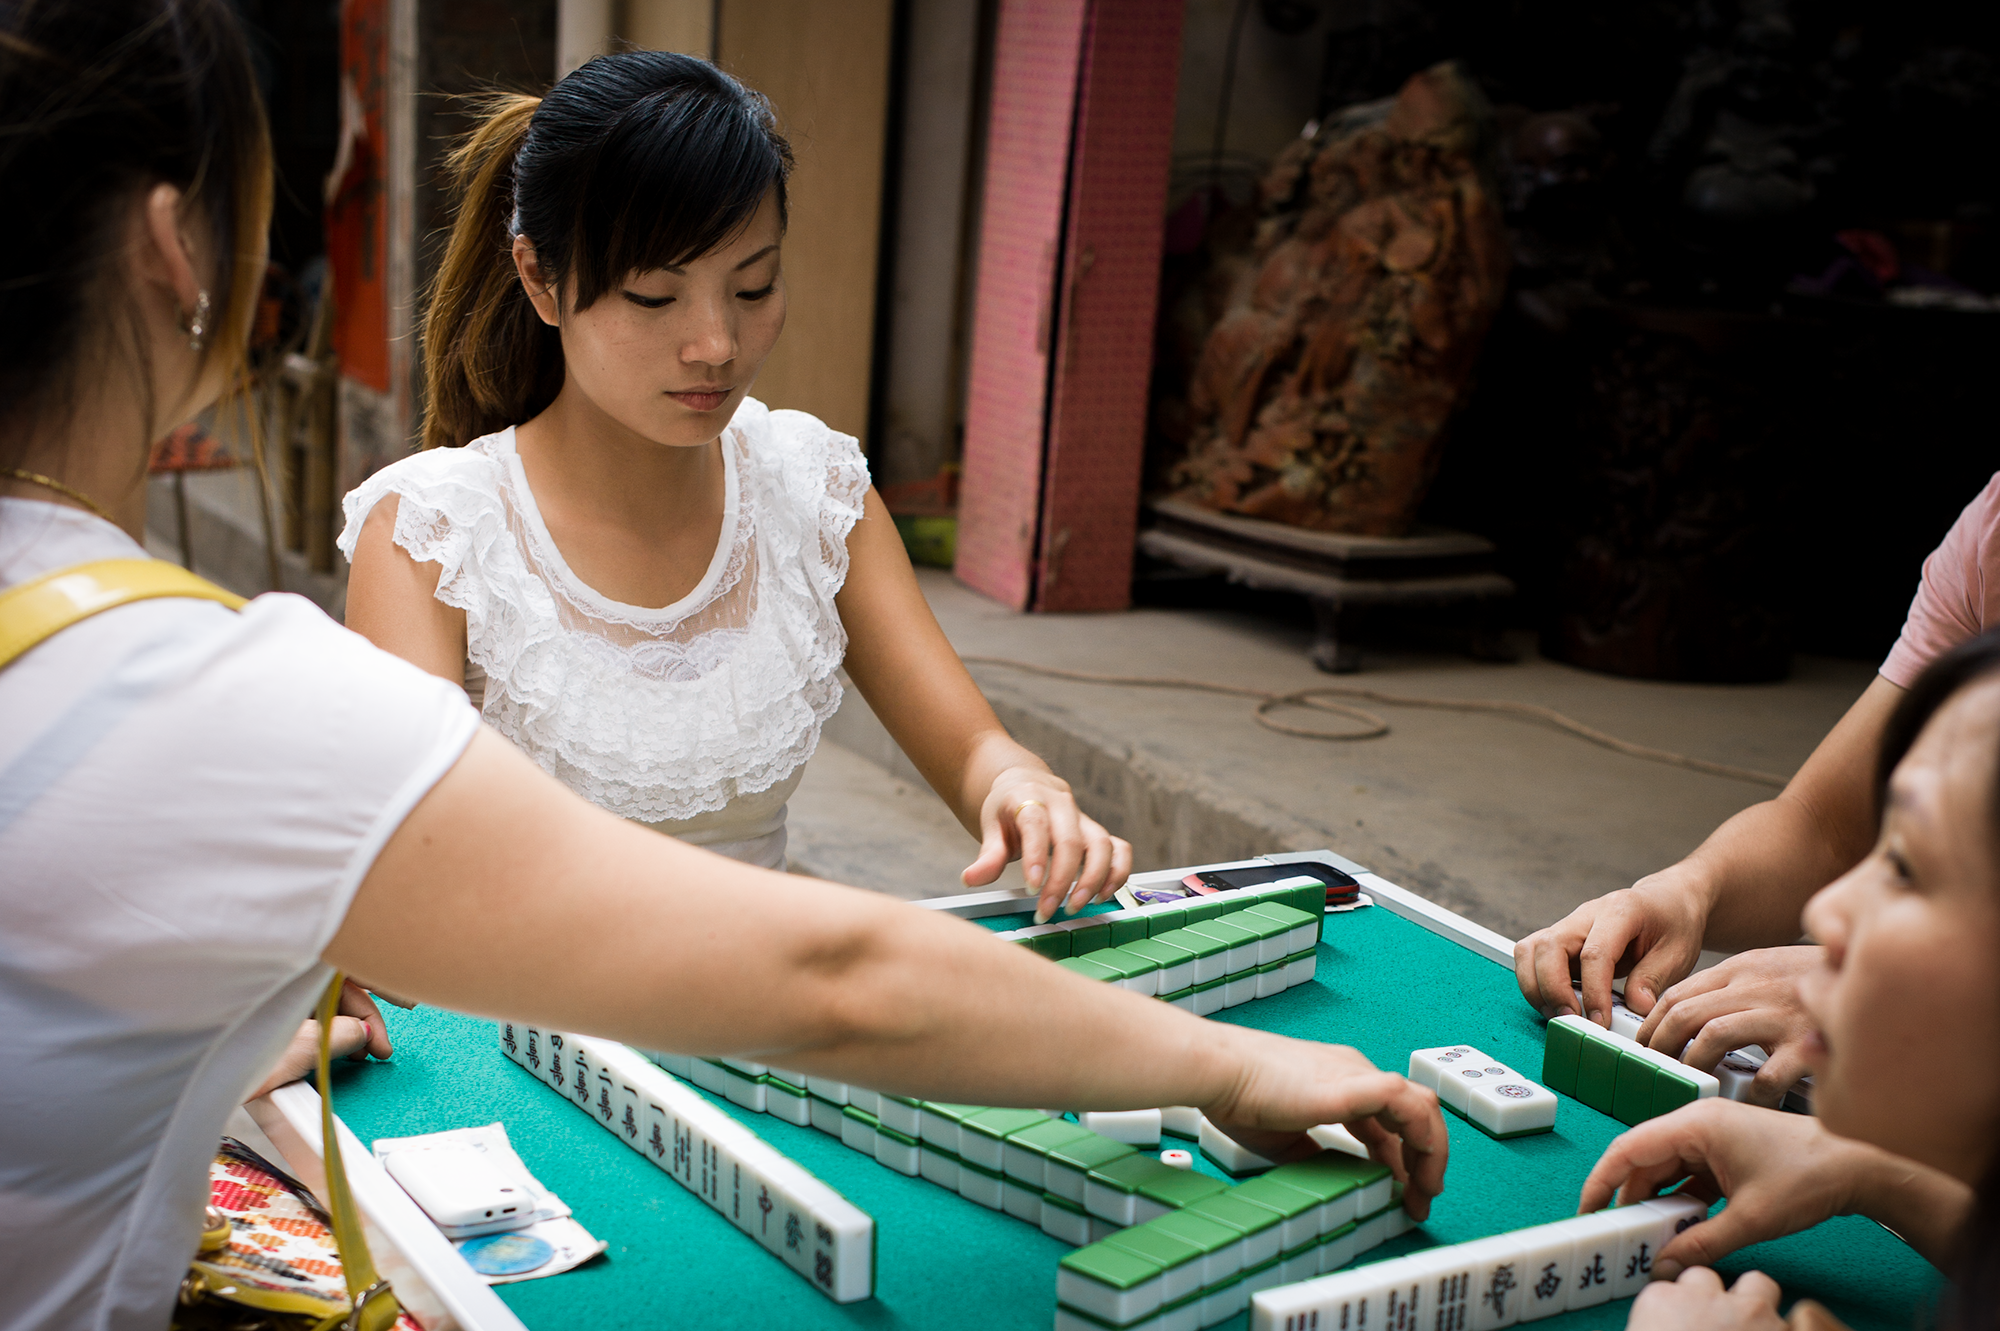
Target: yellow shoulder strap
x=40 y=608
x=37 y=610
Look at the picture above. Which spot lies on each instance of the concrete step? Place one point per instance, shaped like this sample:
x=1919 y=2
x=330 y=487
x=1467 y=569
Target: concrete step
x=1510 y=823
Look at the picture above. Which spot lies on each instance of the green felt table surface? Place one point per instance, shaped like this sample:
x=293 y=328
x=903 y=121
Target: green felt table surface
x=1384 y=985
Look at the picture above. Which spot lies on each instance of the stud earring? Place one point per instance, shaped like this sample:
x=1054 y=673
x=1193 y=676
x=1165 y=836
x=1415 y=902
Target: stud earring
x=198 y=326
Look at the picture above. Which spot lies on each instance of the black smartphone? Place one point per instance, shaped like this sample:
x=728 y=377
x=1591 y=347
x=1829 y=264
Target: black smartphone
x=1340 y=886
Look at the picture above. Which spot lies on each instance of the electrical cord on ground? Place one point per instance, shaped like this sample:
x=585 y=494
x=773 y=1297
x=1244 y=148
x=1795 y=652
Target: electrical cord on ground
x=1318 y=699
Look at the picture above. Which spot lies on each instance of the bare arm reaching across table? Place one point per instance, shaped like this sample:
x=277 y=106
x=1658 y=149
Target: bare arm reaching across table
x=499 y=873
x=1742 y=888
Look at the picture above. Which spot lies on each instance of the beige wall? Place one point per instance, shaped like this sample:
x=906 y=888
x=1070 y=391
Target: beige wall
x=686 y=26
x=825 y=66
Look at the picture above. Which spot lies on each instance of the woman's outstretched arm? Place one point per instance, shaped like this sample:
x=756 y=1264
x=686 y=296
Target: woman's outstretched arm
x=505 y=895
x=1002 y=792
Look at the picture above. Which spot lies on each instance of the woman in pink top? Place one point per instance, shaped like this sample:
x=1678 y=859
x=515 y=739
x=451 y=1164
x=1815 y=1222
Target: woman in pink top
x=1745 y=886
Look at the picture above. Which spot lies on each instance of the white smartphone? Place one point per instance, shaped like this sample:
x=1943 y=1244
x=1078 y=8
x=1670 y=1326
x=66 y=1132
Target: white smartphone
x=459 y=1188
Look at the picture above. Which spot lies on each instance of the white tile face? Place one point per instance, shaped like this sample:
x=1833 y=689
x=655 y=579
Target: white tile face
x=1499 y=1276
x=1374 y=1197
x=898 y=1115
x=1146 y=984
x=1336 y=1253
x=1457 y=1084
x=1302 y=939
x=1647 y=1228
x=1275 y=948
x=603 y=1104
x=1187 y=1317
x=582 y=1075
x=793 y=1109
x=1021 y=1203
x=977 y=1187
x=1511 y=1105
x=1241 y=958
x=865 y=1099
x=678 y=1064
x=826 y=1117
x=631 y=1119
x=940 y=1131
x=1548 y=1261
x=1239 y=989
x=981 y=1150
x=1596 y=1261
x=1444 y=1281
x=555 y=1061
x=1177 y=977
x=708 y=1076
x=1227 y=1152
x=1137 y=1127
x=1064 y=1182
x=1270 y=983
x=752 y=1095
x=826 y=1089
x=786 y=1210
x=1337 y=1211
x=1185 y=1002
x=899 y=1156
x=746 y=1068
x=1181 y=1120
x=1733 y=1077
x=1109 y=1203
x=1211 y=967
x=1345 y=1302
x=1402 y=1297
x=1065 y=1226
x=1300 y=969
x=1030 y=1167
x=1224 y=1303
x=1429 y=1066
x=1117 y=1306
x=938 y=1168
x=856 y=1135
x=1208 y=1001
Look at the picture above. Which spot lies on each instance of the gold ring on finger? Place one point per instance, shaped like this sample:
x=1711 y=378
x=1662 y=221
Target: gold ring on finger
x=1019 y=808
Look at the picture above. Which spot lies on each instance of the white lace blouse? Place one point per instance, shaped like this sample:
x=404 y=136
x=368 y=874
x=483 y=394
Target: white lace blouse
x=695 y=719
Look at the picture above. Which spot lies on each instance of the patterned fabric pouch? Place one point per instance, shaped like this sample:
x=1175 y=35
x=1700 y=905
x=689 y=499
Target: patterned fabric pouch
x=278 y=1267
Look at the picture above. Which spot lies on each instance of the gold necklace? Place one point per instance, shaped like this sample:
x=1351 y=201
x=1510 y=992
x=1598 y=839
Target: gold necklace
x=51 y=483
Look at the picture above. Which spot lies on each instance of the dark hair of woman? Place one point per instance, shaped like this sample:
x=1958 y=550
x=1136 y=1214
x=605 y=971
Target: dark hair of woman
x=99 y=101
x=636 y=161
x=1974 y=1301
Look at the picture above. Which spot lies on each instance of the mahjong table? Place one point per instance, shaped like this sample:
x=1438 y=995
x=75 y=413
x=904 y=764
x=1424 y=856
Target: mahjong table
x=1390 y=978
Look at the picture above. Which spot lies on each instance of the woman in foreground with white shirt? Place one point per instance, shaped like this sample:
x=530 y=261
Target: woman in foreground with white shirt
x=202 y=810
x=645 y=578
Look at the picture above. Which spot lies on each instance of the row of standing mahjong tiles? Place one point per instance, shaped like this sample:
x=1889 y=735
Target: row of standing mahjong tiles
x=1389 y=979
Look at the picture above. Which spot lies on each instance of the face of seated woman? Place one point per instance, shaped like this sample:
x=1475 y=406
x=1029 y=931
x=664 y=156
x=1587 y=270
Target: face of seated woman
x=1907 y=1003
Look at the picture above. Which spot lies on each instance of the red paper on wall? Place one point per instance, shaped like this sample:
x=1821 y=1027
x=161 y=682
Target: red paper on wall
x=357 y=209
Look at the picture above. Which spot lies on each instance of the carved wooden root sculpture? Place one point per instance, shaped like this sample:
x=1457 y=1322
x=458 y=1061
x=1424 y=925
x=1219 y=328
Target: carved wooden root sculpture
x=1321 y=395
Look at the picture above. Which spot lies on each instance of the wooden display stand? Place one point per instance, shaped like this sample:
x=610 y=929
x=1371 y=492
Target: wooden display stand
x=1338 y=574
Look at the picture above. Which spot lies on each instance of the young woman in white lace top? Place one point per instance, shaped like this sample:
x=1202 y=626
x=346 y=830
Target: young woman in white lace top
x=643 y=577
